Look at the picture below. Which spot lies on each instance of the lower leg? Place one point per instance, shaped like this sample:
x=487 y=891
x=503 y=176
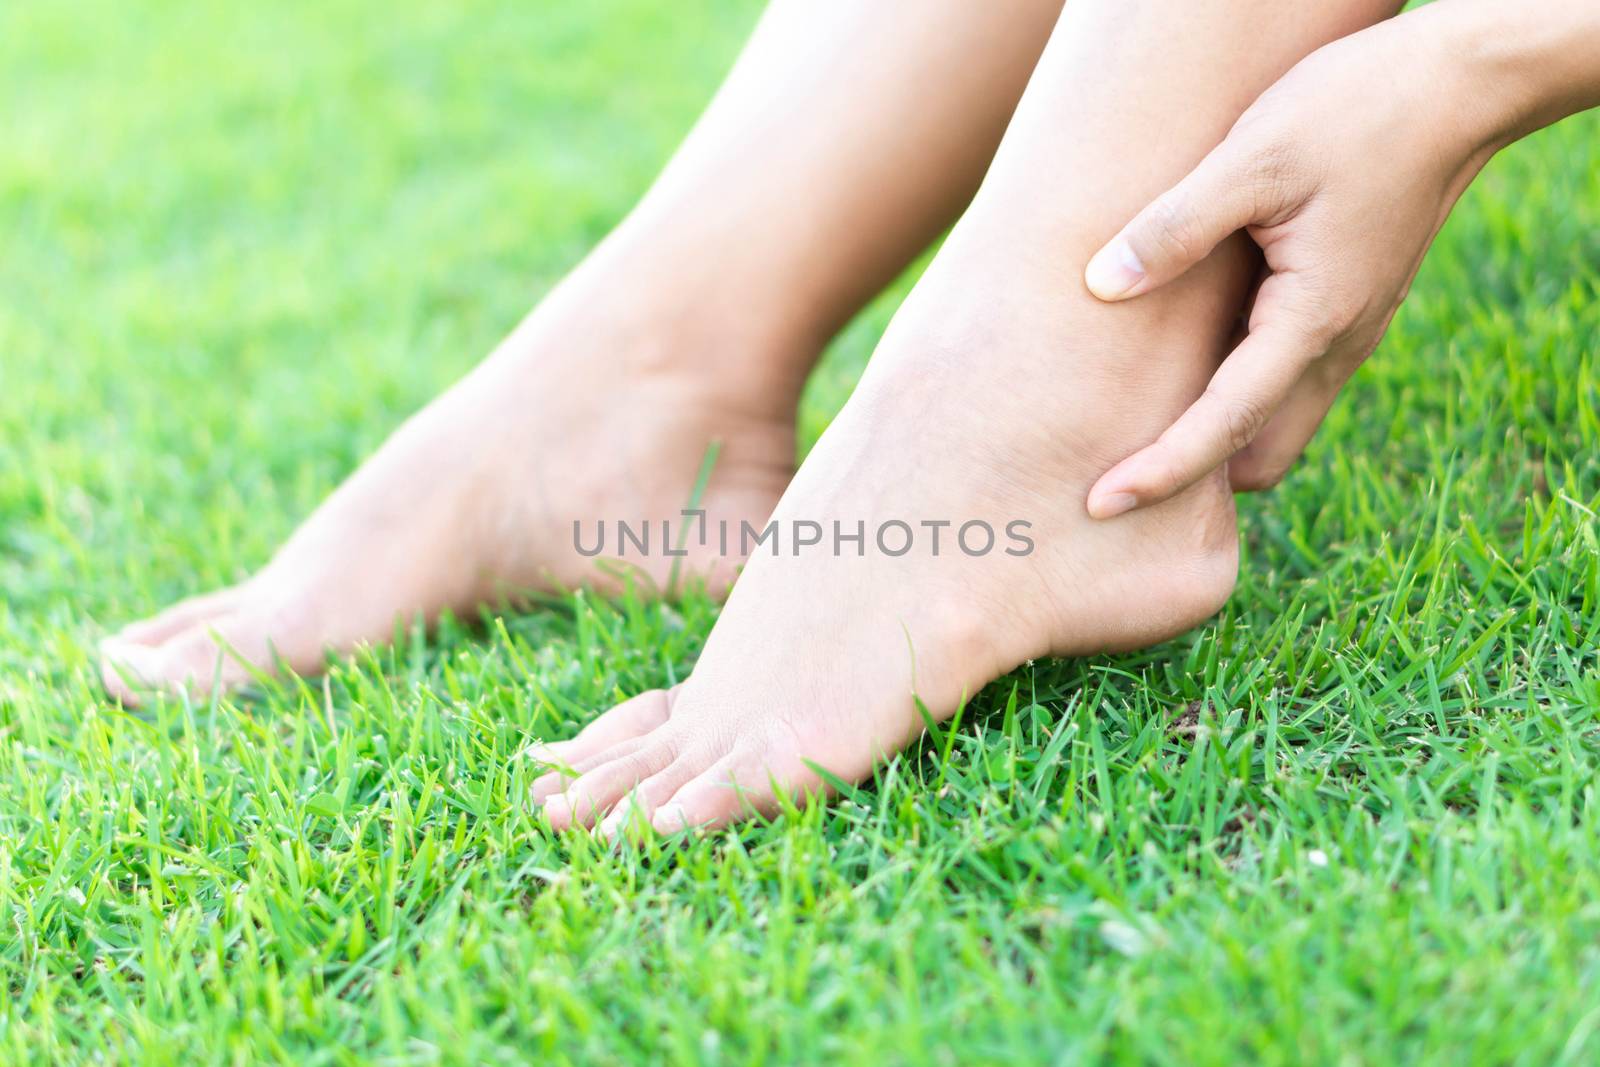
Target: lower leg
x=999 y=392
x=826 y=162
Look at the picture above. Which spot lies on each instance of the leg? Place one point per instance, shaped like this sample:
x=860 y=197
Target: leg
x=827 y=161
x=999 y=393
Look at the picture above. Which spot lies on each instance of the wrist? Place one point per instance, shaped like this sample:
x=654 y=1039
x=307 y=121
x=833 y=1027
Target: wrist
x=1516 y=67
x=1475 y=77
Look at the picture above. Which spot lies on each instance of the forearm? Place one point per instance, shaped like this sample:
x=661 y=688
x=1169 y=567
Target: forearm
x=1523 y=65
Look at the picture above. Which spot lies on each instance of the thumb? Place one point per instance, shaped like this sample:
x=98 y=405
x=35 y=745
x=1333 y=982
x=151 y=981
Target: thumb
x=1177 y=230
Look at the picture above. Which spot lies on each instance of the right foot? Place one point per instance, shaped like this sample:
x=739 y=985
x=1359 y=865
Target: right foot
x=590 y=411
x=1002 y=391
x=996 y=397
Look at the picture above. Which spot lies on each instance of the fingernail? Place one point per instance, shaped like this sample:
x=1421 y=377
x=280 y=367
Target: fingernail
x=1110 y=505
x=1113 y=271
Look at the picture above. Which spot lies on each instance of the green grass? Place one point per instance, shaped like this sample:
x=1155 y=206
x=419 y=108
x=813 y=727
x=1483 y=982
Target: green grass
x=1353 y=819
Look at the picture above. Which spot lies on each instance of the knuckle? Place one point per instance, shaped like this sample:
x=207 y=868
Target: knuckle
x=624 y=772
x=1274 y=178
x=1277 y=159
x=1171 y=228
x=669 y=744
x=1273 y=164
x=1311 y=341
x=1168 y=480
x=1161 y=473
x=704 y=742
x=1165 y=479
x=662 y=751
x=1317 y=319
x=1337 y=306
x=1242 y=417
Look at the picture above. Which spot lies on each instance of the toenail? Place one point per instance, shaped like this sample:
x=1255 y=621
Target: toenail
x=138 y=663
x=671 y=820
x=539 y=752
x=612 y=827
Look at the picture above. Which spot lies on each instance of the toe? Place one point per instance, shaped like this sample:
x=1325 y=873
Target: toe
x=744 y=783
x=564 y=773
x=222 y=653
x=595 y=793
x=133 y=661
x=638 y=808
x=190 y=662
x=713 y=798
x=633 y=718
x=127 y=671
x=180 y=616
x=208 y=656
x=747 y=781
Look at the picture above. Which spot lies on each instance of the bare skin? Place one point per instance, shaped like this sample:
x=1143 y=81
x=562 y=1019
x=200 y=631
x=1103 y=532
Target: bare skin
x=1342 y=239
x=827 y=161
x=1000 y=392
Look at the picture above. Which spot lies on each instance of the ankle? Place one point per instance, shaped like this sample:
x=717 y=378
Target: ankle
x=634 y=314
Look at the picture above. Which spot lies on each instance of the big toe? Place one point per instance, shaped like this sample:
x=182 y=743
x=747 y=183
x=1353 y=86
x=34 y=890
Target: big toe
x=181 y=616
x=219 y=653
x=133 y=660
x=127 y=669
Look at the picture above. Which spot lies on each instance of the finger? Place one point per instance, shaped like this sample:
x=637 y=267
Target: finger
x=1177 y=230
x=1281 y=442
x=1247 y=389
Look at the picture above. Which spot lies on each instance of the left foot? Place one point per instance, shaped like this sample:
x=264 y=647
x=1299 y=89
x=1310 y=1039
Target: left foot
x=599 y=408
x=820 y=657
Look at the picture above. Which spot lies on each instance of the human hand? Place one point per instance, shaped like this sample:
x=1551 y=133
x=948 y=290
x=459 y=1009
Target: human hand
x=1343 y=173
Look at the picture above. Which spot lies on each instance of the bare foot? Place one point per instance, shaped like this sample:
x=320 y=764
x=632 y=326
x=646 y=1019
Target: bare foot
x=597 y=408
x=826 y=162
x=1001 y=391
x=820 y=651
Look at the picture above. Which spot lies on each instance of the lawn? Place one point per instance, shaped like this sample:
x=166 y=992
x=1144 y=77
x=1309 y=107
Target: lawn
x=1352 y=819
